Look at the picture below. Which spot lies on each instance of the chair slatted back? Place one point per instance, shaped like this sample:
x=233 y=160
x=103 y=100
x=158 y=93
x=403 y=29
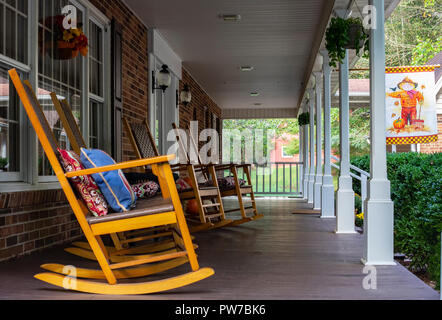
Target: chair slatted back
x=182 y=149
x=194 y=145
x=141 y=134
x=201 y=175
x=69 y=123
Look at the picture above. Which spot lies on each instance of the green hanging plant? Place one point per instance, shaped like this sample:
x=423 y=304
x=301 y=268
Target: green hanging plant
x=304 y=119
x=345 y=34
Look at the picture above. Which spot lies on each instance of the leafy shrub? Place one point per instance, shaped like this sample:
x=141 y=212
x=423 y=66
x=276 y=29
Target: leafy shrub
x=416 y=189
x=3 y=162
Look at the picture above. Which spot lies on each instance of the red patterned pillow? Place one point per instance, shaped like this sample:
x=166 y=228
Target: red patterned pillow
x=146 y=189
x=85 y=185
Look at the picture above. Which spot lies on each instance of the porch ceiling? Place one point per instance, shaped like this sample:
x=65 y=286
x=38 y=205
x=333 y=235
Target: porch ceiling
x=275 y=37
x=280 y=39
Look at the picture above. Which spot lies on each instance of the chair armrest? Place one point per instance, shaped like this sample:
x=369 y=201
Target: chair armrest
x=121 y=165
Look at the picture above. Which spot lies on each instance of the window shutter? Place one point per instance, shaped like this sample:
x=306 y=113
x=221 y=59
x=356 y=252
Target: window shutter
x=117 y=90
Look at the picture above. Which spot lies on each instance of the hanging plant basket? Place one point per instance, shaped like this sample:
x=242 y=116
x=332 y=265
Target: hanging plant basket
x=343 y=34
x=304 y=119
x=355 y=37
x=61 y=50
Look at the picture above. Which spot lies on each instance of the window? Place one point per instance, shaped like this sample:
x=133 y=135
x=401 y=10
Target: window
x=14 y=29
x=96 y=59
x=56 y=75
x=95 y=124
x=96 y=85
x=13 y=52
x=79 y=80
x=284 y=153
x=9 y=125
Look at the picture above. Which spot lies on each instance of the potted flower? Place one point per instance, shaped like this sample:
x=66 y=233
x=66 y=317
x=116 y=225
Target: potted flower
x=345 y=34
x=304 y=119
x=65 y=43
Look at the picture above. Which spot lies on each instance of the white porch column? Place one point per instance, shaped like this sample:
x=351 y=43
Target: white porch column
x=311 y=179
x=318 y=178
x=345 y=199
x=305 y=157
x=328 y=190
x=301 y=157
x=378 y=223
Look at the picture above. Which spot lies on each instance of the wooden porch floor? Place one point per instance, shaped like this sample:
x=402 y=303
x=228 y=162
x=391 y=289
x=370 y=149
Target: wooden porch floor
x=282 y=256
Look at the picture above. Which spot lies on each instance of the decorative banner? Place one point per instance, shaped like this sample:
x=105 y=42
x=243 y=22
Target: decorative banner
x=411 y=105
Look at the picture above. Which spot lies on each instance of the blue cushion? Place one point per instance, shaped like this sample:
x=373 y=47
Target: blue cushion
x=112 y=184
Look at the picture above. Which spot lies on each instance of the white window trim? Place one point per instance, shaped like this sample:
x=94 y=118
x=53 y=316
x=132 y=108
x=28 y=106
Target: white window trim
x=282 y=153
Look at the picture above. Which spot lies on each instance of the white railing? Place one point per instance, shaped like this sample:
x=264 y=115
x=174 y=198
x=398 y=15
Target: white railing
x=361 y=175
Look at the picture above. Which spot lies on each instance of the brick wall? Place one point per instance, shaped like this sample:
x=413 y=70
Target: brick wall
x=200 y=100
x=135 y=63
x=31 y=221
x=435 y=146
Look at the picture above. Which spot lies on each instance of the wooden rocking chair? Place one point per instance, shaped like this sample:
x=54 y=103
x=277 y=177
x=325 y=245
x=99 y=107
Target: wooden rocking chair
x=210 y=215
x=121 y=241
x=166 y=211
x=238 y=190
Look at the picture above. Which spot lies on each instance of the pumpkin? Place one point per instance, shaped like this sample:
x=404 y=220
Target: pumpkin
x=399 y=123
x=188 y=181
x=191 y=207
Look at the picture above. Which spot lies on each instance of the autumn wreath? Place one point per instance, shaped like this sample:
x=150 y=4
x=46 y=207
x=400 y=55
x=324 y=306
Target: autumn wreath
x=64 y=43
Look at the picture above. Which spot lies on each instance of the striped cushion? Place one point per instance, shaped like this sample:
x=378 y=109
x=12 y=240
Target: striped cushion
x=113 y=184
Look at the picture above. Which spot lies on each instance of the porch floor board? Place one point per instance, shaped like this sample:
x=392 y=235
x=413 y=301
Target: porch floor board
x=281 y=256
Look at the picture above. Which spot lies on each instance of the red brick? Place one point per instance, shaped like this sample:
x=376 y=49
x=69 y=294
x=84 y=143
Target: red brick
x=11 y=252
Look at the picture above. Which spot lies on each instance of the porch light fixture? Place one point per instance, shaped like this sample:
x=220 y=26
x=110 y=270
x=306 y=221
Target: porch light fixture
x=230 y=17
x=163 y=79
x=246 y=68
x=186 y=95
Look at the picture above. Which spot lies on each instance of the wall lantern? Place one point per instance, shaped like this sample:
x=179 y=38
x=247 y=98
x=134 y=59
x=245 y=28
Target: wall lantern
x=163 y=79
x=185 y=95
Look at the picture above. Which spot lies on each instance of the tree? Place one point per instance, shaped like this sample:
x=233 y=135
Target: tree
x=359 y=131
x=280 y=126
x=413 y=35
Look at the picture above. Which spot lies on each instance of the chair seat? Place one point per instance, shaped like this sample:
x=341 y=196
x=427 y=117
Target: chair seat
x=144 y=207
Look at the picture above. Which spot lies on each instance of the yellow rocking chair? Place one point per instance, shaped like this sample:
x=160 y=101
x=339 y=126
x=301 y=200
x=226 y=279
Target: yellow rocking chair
x=166 y=212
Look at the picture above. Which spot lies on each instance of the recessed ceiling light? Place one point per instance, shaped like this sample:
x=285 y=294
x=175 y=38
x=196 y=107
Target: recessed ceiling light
x=257 y=104
x=246 y=68
x=254 y=94
x=230 y=17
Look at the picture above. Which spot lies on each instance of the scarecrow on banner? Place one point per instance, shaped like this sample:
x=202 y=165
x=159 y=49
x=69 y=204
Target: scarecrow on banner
x=409 y=99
